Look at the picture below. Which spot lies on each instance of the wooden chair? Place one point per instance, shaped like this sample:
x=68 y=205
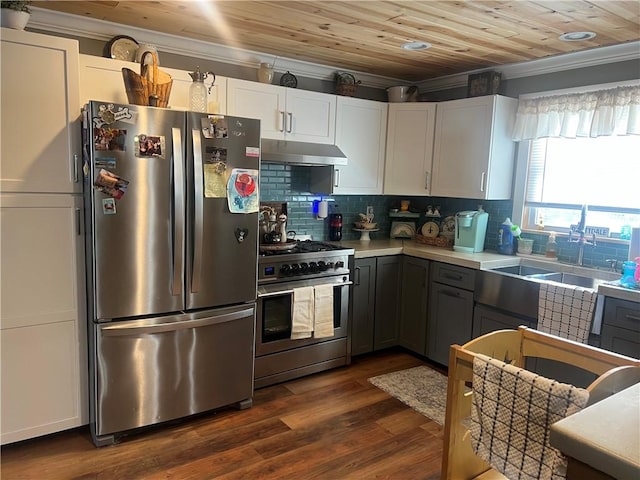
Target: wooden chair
x=615 y=373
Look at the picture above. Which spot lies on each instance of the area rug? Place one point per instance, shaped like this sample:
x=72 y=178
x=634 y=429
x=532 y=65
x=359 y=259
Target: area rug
x=422 y=388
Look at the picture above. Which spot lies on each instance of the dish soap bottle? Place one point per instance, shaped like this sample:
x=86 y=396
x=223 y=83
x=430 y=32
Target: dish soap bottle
x=551 y=251
x=505 y=238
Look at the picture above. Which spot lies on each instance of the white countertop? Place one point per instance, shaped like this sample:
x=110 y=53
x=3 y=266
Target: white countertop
x=478 y=261
x=605 y=435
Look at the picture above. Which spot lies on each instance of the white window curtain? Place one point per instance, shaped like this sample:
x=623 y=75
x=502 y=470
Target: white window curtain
x=614 y=111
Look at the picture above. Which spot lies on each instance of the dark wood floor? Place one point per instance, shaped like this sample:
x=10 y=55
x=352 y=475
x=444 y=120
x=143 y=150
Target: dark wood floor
x=333 y=425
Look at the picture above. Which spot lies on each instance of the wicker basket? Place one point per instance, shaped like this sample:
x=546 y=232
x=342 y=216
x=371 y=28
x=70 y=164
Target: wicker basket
x=150 y=82
x=435 y=241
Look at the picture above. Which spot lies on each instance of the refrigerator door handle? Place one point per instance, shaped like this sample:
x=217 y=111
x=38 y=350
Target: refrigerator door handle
x=198 y=213
x=178 y=210
x=129 y=328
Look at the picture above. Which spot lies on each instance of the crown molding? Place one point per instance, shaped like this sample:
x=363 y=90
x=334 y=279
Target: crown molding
x=556 y=63
x=78 y=26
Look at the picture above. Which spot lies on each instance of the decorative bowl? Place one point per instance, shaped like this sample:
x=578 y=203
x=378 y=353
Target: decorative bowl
x=365 y=225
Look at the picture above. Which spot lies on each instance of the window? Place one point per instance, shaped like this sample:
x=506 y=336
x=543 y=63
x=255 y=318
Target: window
x=565 y=173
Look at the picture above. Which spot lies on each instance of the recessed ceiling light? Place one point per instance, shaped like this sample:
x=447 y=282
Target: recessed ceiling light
x=576 y=36
x=416 y=46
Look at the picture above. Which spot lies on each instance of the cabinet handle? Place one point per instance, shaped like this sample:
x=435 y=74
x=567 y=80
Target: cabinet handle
x=450 y=293
x=426 y=182
x=282 y=122
x=336 y=177
x=75 y=168
x=357 y=276
x=290 y=128
x=633 y=317
x=482 y=182
x=78 y=222
x=452 y=277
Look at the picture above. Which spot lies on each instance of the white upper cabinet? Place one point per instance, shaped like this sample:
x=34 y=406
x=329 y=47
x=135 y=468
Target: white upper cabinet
x=101 y=79
x=473 y=151
x=40 y=113
x=285 y=113
x=410 y=129
x=361 y=135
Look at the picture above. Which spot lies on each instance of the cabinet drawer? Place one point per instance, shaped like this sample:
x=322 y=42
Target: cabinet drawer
x=622 y=313
x=453 y=275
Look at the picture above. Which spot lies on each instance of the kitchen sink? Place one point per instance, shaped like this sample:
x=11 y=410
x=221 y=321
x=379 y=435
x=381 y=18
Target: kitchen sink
x=569 y=279
x=516 y=289
x=523 y=270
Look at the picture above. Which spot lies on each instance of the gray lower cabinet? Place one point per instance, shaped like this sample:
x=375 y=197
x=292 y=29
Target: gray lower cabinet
x=413 y=314
x=450 y=309
x=376 y=294
x=388 y=275
x=363 y=301
x=621 y=327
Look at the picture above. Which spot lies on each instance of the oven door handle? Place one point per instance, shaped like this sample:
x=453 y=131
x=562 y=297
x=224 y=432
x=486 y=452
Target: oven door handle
x=289 y=291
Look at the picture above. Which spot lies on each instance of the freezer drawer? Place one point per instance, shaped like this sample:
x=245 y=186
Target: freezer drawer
x=153 y=370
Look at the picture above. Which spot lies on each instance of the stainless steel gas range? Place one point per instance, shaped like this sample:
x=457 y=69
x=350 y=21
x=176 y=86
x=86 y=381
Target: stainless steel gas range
x=281 y=270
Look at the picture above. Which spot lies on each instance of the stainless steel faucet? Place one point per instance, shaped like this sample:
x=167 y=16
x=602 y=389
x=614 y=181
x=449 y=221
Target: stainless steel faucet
x=581 y=240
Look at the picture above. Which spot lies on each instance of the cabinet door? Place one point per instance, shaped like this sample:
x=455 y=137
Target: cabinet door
x=363 y=295
x=310 y=116
x=101 y=79
x=410 y=128
x=450 y=320
x=413 y=317
x=388 y=275
x=259 y=100
x=621 y=327
x=473 y=154
x=42 y=315
x=361 y=134
x=40 y=113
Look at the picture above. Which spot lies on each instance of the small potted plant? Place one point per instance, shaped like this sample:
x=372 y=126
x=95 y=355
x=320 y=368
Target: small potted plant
x=15 y=14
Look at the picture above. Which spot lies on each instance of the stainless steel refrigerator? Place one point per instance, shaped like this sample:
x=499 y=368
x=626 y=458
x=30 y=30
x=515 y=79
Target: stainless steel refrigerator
x=171 y=202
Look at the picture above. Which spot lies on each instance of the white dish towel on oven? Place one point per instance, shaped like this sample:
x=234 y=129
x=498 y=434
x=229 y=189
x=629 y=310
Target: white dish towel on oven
x=302 y=313
x=566 y=311
x=323 y=318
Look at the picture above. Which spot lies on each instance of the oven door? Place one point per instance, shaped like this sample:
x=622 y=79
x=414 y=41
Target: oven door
x=273 y=323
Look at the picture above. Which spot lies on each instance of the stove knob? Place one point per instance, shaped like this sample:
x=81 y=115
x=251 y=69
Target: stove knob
x=340 y=264
x=304 y=267
x=313 y=266
x=322 y=266
x=295 y=268
x=285 y=269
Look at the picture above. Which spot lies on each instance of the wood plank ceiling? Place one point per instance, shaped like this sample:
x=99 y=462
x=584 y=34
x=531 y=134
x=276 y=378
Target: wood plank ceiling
x=366 y=35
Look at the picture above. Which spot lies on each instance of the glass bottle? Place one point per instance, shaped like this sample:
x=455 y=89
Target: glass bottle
x=198 y=100
x=335 y=227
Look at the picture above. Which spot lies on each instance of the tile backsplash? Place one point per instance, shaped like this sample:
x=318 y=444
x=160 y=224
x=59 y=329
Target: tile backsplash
x=286 y=183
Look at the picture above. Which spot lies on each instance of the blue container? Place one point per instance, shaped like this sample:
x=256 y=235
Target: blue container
x=505 y=238
x=628 y=274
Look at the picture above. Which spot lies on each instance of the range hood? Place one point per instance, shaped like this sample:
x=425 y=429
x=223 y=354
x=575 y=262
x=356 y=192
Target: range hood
x=301 y=153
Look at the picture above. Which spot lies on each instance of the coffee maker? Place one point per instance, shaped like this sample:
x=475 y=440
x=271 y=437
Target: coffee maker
x=471 y=229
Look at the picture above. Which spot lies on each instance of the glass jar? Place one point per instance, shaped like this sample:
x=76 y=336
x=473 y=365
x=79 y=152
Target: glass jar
x=265 y=73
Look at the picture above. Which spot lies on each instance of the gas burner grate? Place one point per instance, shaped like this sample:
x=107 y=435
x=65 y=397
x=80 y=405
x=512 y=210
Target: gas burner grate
x=304 y=246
